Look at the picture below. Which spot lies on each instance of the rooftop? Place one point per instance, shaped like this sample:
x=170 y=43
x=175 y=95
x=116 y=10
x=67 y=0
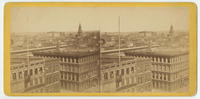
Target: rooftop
x=164 y=52
x=67 y=53
x=21 y=60
x=106 y=59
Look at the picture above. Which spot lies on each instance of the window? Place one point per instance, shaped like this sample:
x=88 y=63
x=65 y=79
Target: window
x=168 y=60
x=122 y=71
x=153 y=75
x=31 y=72
x=132 y=69
x=111 y=74
x=164 y=77
x=72 y=77
x=77 y=78
x=69 y=68
x=36 y=71
x=61 y=75
x=76 y=60
x=66 y=75
x=41 y=70
x=14 y=76
x=127 y=70
x=160 y=76
x=106 y=76
x=20 y=75
x=117 y=73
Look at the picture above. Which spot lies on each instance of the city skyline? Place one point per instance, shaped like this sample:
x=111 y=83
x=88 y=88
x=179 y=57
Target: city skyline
x=38 y=19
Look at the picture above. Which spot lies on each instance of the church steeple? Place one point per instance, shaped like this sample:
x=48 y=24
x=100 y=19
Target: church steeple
x=79 y=29
x=78 y=36
x=171 y=31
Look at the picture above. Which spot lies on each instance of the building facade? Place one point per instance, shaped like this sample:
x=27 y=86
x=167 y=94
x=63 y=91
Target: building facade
x=130 y=75
x=170 y=70
x=78 y=70
x=52 y=75
x=34 y=75
x=27 y=75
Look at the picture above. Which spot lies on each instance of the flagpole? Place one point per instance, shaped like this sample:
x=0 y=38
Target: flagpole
x=100 y=57
x=27 y=79
x=119 y=38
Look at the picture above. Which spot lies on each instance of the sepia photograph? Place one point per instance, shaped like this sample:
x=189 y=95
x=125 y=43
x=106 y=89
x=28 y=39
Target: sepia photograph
x=99 y=49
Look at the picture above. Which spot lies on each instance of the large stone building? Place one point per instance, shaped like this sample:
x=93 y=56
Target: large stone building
x=78 y=70
x=170 y=69
x=125 y=74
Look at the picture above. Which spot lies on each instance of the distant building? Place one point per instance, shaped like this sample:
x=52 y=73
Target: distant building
x=170 y=69
x=87 y=39
x=131 y=75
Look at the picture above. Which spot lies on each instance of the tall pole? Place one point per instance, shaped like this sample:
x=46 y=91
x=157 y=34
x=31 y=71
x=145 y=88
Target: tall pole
x=119 y=39
x=100 y=57
x=27 y=46
x=27 y=79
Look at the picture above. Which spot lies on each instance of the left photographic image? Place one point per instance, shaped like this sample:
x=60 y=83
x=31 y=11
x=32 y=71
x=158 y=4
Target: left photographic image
x=47 y=57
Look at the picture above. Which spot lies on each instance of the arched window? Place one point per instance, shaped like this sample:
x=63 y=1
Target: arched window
x=14 y=76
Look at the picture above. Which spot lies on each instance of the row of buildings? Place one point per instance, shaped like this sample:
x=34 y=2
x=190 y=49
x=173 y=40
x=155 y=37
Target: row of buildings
x=87 y=70
x=134 y=72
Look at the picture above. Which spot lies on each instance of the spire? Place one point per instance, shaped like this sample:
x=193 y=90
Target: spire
x=79 y=29
x=171 y=31
x=170 y=34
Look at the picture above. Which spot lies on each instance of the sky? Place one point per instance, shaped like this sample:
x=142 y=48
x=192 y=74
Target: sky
x=105 y=19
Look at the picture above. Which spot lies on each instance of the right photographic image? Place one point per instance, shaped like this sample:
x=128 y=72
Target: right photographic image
x=148 y=52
